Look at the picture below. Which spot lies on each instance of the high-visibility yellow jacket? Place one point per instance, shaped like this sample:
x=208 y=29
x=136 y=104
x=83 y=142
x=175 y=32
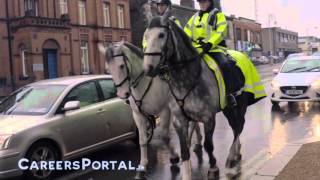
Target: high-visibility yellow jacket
x=212 y=27
x=144 y=42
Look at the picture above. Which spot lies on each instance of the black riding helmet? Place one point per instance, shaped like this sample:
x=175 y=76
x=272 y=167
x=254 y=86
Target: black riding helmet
x=167 y=2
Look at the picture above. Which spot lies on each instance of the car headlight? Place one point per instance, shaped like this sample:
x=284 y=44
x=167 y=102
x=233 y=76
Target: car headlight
x=275 y=85
x=4 y=141
x=316 y=84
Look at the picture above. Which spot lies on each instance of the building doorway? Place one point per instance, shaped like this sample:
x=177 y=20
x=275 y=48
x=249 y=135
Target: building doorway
x=50 y=63
x=50 y=50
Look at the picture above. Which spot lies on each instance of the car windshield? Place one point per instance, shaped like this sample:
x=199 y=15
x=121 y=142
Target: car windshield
x=298 y=66
x=31 y=100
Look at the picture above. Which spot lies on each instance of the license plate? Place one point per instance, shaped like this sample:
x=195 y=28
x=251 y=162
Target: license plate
x=294 y=92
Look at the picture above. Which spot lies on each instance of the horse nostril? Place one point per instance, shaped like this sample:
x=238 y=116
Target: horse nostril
x=127 y=94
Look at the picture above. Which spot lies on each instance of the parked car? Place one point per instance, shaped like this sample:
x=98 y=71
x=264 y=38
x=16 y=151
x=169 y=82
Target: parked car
x=264 y=60
x=61 y=119
x=297 y=80
x=316 y=54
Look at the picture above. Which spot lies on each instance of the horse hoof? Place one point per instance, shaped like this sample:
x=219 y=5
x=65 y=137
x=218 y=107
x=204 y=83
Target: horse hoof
x=140 y=175
x=233 y=176
x=175 y=160
x=213 y=174
x=233 y=173
x=197 y=148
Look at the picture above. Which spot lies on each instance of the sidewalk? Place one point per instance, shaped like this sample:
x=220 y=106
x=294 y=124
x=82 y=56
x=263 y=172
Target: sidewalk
x=297 y=161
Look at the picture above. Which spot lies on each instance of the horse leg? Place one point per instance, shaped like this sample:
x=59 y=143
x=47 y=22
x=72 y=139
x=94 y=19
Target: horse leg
x=165 y=127
x=140 y=121
x=209 y=127
x=236 y=119
x=198 y=145
x=181 y=126
x=192 y=126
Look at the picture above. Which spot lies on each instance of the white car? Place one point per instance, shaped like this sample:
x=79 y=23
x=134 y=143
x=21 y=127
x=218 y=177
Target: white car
x=297 y=80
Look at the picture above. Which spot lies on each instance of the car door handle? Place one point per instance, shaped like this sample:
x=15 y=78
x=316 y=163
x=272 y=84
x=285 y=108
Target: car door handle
x=100 y=111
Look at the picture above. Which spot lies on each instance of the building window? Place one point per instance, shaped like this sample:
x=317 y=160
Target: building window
x=120 y=16
x=64 y=7
x=31 y=7
x=23 y=55
x=245 y=35
x=82 y=12
x=85 y=69
x=238 y=34
x=106 y=14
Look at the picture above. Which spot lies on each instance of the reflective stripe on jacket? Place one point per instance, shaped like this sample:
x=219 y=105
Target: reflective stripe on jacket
x=212 y=27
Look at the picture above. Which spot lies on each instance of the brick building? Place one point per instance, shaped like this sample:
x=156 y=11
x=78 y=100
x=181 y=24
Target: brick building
x=55 y=38
x=246 y=35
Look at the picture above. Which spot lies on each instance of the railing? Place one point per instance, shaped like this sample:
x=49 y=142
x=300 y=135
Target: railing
x=40 y=22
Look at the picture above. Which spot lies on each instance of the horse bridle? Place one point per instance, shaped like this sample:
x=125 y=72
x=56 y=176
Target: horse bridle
x=127 y=78
x=135 y=83
x=162 y=67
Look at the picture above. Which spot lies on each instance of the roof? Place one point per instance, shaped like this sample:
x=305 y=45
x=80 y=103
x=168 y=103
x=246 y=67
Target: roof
x=71 y=80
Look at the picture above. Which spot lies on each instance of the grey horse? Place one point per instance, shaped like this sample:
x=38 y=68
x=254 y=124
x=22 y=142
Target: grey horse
x=147 y=96
x=171 y=56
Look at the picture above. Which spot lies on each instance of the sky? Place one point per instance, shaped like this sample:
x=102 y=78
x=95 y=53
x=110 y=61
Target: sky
x=302 y=16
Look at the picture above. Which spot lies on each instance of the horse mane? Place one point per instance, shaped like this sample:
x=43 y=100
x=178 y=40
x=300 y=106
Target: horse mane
x=183 y=41
x=137 y=51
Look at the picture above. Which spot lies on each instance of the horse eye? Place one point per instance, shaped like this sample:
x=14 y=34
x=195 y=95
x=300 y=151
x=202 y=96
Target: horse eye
x=161 y=35
x=121 y=66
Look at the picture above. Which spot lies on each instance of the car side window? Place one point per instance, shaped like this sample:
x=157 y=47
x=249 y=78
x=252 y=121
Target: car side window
x=86 y=93
x=108 y=89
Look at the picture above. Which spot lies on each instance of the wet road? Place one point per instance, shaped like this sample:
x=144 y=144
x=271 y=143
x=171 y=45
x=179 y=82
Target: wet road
x=267 y=131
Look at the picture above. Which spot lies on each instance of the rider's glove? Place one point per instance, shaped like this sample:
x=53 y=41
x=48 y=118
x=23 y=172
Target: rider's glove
x=206 y=47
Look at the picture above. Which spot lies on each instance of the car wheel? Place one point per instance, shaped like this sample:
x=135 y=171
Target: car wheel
x=150 y=131
x=42 y=151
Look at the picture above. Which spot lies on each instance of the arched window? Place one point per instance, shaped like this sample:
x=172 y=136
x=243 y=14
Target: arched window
x=31 y=7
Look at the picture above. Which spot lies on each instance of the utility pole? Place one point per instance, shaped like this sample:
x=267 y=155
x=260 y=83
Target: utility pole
x=8 y=20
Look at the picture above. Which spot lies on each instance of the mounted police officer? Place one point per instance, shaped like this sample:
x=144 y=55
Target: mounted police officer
x=162 y=6
x=207 y=29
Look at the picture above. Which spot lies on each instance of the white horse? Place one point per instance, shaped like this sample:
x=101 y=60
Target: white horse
x=147 y=96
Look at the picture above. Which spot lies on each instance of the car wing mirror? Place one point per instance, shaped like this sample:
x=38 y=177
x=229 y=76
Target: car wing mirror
x=71 y=105
x=275 y=71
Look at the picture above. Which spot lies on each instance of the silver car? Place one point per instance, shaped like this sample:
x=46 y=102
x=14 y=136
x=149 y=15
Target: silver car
x=61 y=119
